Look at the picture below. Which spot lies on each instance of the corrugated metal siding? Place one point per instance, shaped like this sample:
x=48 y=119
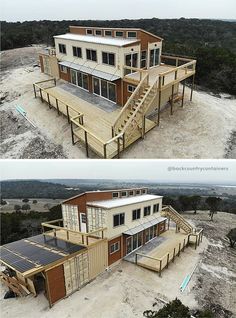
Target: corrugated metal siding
x=98 y=259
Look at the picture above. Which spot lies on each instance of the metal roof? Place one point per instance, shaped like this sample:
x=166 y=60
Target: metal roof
x=91 y=71
x=97 y=39
x=114 y=203
x=144 y=226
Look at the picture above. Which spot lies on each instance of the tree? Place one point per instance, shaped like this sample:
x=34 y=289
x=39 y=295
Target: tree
x=232 y=237
x=194 y=202
x=25 y=200
x=25 y=207
x=184 y=202
x=3 y=202
x=174 y=309
x=17 y=207
x=35 y=201
x=213 y=203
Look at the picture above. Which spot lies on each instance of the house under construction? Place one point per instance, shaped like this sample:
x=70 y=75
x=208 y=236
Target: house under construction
x=112 y=84
x=97 y=230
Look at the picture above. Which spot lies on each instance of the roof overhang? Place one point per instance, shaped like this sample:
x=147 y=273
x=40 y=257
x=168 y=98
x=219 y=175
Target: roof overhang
x=144 y=226
x=91 y=71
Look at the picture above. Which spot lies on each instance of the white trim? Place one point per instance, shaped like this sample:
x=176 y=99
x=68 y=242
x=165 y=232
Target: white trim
x=104 y=33
x=118 y=242
x=133 y=88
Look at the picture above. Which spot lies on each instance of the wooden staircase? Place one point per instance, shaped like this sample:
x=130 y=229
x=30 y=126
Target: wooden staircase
x=131 y=120
x=171 y=213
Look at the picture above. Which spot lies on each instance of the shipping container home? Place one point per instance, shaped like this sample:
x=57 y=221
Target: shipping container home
x=112 y=84
x=97 y=230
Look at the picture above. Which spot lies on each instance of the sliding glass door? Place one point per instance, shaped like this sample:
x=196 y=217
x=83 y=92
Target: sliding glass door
x=104 y=88
x=154 y=57
x=80 y=79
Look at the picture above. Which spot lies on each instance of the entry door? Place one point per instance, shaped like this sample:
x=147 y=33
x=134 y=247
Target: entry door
x=83 y=222
x=154 y=57
x=129 y=245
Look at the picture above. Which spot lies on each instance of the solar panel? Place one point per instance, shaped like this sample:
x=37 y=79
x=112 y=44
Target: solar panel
x=10 y=258
x=3 y=251
x=23 y=266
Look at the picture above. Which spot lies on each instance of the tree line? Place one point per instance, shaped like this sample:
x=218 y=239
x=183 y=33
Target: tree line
x=211 y=42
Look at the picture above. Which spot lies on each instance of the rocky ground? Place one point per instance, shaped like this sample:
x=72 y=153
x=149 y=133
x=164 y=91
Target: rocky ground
x=204 y=128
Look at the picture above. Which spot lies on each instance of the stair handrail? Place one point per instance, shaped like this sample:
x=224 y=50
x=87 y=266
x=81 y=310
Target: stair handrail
x=130 y=99
x=170 y=210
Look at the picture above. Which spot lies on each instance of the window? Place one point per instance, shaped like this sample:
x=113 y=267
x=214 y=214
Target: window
x=136 y=214
x=118 y=219
x=77 y=51
x=114 y=247
x=124 y=194
x=154 y=57
x=98 y=32
x=155 y=208
x=115 y=194
x=108 y=58
x=91 y=55
x=131 y=193
x=144 y=191
x=89 y=31
x=137 y=192
x=147 y=210
x=131 y=60
x=131 y=34
x=119 y=33
x=143 y=61
x=105 y=89
x=108 y=33
x=62 y=48
x=79 y=79
x=63 y=69
x=131 y=88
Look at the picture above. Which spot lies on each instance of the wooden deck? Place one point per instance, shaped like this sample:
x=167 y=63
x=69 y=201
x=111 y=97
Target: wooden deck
x=158 y=258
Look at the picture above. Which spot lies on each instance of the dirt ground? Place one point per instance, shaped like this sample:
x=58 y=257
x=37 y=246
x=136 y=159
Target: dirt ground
x=187 y=134
x=127 y=290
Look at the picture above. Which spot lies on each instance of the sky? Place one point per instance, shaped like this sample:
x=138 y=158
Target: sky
x=22 y=10
x=176 y=171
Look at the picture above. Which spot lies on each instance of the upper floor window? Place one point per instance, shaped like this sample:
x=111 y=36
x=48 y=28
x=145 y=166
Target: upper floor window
x=91 y=55
x=155 y=208
x=62 y=48
x=143 y=61
x=108 y=33
x=147 y=210
x=138 y=192
x=144 y=191
x=131 y=193
x=154 y=57
x=89 y=31
x=119 y=33
x=108 y=58
x=124 y=194
x=77 y=51
x=118 y=219
x=115 y=194
x=131 y=34
x=98 y=32
x=136 y=214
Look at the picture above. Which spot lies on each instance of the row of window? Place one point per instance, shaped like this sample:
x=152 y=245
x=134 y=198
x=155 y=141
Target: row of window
x=119 y=219
x=91 y=55
x=129 y=193
x=118 y=34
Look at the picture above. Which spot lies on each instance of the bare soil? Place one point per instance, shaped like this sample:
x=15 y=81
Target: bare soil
x=204 y=128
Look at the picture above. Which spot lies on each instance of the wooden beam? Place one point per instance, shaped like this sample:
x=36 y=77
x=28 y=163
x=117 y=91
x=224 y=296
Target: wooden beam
x=58 y=111
x=86 y=143
x=68 y=115
x=159 y=108
x=72 y=133
x=192 y=88
x=172 y=100
x=182 y=104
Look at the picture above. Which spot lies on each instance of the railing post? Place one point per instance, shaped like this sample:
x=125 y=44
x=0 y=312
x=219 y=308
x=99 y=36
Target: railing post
x=179 y=249
x=112 y=132
x=172 y=100
x=196 y=242
x=136 y=258
x=49 y=104
x=168 y=257
x=41 y=95
x=160 y=268
x=118 y=148
x=86 y=143
x=72 y=133
x=57 y=106
x=105 y=151
x=123 y=141
x=35 y=96
x=68 y=115
x=191 y=95
x=183 y=94
x=173 y=256
x=67 y=235
x=55 y=82
x=159 y=103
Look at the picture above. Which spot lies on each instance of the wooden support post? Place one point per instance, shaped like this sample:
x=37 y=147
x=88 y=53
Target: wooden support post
x=86 y=143
x=102 y=234
x=41 y=95
x=136 y=258
x=87 y=240
x=192 y=88
x=72 y=133
x=54 y=233
x=184 y=245
x=123 y=141
x=160 y=268
x=179 y=249
x=173 y=256
x=168 y=258
x=159 y=108
x=143 y=126
x=172 y=100
x=82 y=239
x=58 y=111
x=168 y=223
x=118 y=148
x=68 y=115
x=196 y=242
x=34 y=91
x=105 y=151
x=112 y=132
x=55 y=82
x=182 y=103
x=49 y=103
x=67 y=235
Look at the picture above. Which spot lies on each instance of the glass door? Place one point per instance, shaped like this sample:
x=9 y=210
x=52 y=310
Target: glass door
x=154 y=57
x=129 y=245
x=96 y=86
x=73 y=77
